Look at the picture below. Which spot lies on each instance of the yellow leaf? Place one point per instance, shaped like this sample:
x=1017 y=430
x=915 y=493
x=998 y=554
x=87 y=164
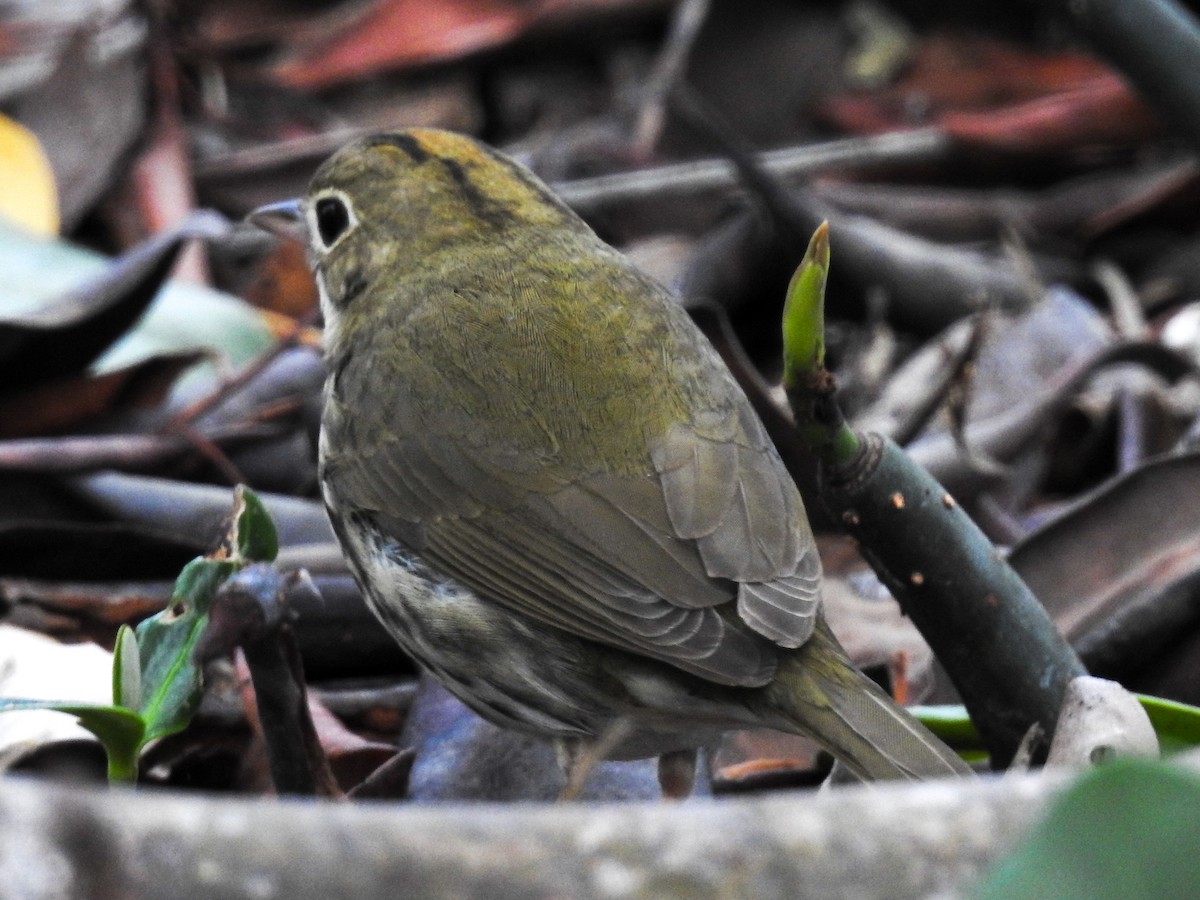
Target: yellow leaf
x=29 y=197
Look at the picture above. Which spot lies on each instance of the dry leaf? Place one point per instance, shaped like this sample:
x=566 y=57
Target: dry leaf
x=29 y=198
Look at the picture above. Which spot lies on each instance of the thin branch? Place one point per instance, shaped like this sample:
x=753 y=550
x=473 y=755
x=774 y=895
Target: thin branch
x=586 y=194
x=668 y=71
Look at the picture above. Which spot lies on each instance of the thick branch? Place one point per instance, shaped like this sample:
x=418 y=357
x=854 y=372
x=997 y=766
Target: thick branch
x=883 y=842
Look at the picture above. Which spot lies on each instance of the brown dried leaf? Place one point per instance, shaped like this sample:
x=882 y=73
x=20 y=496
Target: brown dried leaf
x=393 y=34
x=1117 y=571
x=56 y=406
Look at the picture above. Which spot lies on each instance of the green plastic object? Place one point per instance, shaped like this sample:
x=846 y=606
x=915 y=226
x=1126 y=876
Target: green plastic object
x=1177 y=724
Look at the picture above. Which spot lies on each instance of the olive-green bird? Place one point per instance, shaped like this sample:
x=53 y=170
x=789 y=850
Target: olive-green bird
x=548 y=485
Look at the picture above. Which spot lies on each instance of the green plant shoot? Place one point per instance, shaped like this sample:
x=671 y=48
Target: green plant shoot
x=804 y=313
x=157 y=681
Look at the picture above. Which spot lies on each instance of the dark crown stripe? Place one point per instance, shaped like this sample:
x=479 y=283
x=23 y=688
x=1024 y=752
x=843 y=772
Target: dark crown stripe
x=406 y=143
x=526 y=178
x=483 y=205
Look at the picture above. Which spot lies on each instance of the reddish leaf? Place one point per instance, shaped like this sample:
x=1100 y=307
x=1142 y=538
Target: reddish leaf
x=55 y=406
x=1101 y=111
x=397 y=33
x=993 y=94
x=352 y=758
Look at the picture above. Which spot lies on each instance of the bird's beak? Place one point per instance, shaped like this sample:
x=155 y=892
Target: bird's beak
x=285 y=219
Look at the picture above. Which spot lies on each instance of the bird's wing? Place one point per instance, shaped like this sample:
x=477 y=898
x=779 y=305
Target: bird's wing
x=640 y=563
x=731 y=495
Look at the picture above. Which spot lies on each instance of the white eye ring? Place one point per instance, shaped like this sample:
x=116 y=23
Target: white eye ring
x=330 y=218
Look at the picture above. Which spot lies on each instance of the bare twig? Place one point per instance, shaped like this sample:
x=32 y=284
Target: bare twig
x=1003 y=435
x=668 y=71
x=244 y=375
x=920 y=415
x=251 y=611
x=127 y=452
x=586 y=194
x=590 y=755
x=1129 y=319
x=208 y=448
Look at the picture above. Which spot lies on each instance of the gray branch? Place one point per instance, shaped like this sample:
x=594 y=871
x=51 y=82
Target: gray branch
x=895 y=841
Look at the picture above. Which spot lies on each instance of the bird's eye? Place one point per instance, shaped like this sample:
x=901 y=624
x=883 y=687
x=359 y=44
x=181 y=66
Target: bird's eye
x=333 y=218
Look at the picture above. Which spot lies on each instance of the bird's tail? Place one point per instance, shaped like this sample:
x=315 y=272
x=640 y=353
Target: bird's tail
x=819 y=693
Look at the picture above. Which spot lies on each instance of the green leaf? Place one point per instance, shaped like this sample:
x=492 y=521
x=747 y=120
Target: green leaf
x=119 y=730
x=1124 y=831
x=254 y=535
x=157 y=683
x=172 y=682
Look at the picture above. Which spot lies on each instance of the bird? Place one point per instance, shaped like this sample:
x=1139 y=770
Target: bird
x=547 y=484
